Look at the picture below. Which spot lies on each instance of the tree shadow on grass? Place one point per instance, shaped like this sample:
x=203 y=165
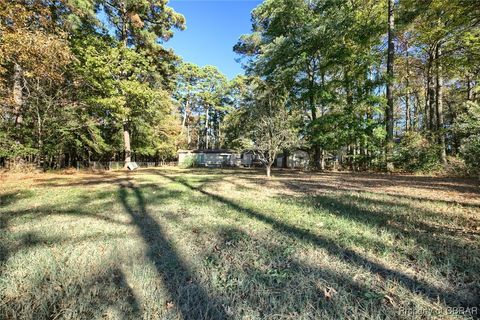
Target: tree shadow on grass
x=101 y=179
x=93 y=297
x=86 y=298
x=452 y=191
x=348 y=255
x=378 y=180
x=7 y=199
x=4 y=253
x=187 y=294
x=259 y=273
x=10 y=198
x=46 y=211
x=4 y=250
x=444 y=243
x=417 y=223
x=8 y=247
x=317 y=186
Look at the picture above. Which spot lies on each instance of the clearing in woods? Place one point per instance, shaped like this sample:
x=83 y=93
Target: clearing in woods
x=193 y=244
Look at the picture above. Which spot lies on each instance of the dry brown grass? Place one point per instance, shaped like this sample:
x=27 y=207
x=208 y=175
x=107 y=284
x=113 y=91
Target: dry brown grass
x=193 y=244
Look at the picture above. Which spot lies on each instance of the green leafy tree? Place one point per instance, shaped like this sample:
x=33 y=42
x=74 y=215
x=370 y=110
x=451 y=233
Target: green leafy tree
x=203 y=97
x=268 y=125
x=138 y=26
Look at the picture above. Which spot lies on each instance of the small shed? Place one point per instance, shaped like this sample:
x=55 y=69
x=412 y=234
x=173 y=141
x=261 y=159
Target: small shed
x=248 y=158
x=211 y=157
x=296 y=159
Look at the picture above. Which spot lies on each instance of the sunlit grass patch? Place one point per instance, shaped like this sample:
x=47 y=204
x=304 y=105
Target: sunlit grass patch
x=170 y=244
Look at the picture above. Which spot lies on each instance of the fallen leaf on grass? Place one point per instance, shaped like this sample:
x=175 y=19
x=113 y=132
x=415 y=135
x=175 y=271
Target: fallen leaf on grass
x=329 y=292
x=170 y=304
x=228 y=310
x=389 y=300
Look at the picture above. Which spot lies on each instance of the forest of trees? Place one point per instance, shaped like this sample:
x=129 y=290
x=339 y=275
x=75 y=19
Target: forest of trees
x=376 y=85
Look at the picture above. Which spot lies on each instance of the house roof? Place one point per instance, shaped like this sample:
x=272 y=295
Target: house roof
x=206 y=151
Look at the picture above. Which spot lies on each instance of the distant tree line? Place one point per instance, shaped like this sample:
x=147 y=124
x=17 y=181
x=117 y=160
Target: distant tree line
x=380 y=84
x=84 y=80
x=372 y=85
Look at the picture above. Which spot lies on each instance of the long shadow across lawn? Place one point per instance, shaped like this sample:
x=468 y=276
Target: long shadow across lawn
x=444 y=243
x=316 y=187
x=4 y=251
x=295 y=288
x=8 y=248
x=90 y=302
x=5 y=200
x=350 y=256
x=187 y=294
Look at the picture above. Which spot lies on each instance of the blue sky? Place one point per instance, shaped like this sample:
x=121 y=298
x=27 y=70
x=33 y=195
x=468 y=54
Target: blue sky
x=213 y=28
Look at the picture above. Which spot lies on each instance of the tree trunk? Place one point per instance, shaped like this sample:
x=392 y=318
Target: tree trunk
x=124 y=40
x=40 y=154
x=313 y=110
x=430 y=98
x=408 y=125
x=354 y=157
x=40 y=161
x=407 y=112
x=206 y=129
x=416 y=107
x=322 y=160
x=426 y=114
x=469 y=89
x=455 y=141
x=431 y=106
x=185 y=112
x=390 y=74
x=349 y=110
x=268 y=167
x=17 y=93
x=317 y=157
x=126 y=141
x=431 y=94
x=219 y=140
x=18 y=104
x=407 y=94
x=439 y=106
x=285 y=159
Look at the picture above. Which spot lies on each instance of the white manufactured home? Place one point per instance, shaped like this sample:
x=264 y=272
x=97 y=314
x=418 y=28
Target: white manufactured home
x=211 y=157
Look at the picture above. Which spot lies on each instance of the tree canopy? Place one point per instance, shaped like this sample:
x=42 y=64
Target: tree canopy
x=371 y=75
x=363 y=85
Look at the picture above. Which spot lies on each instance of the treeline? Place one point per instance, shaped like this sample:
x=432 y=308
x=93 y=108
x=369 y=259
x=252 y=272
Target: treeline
x=205 y=97
x=366 y=84
x=87 y=80
x=379 y=84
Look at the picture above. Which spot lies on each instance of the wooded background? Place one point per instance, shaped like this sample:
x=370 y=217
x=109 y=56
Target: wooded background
x=380 y=85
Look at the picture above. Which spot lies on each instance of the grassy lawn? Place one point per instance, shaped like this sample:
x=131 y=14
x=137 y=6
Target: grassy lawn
x=207 y=244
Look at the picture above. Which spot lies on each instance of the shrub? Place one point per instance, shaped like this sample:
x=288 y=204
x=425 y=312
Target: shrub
x=456 y=167
x=470 y=152
x=416 y=154
x=190 y=161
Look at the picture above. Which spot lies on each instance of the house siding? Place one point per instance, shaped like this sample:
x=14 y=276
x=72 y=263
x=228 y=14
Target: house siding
x=210 y=159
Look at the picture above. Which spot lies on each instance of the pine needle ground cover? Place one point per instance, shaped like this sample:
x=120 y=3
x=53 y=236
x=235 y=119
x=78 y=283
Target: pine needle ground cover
x=232 y=244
